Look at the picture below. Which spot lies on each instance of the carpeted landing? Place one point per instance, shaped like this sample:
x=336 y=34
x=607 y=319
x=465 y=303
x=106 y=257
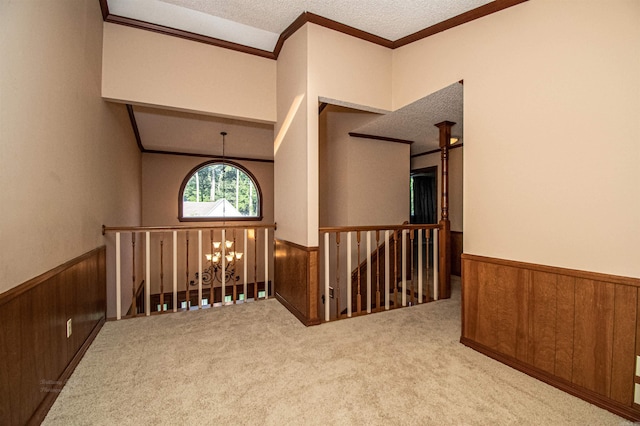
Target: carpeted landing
x=256 y=364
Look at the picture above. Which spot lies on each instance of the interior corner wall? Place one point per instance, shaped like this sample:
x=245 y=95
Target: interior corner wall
x=552 y=136
x=291 y=148
x=68 y=159
x=362 y=181
x=144 y=67
x=456 y=189
x=348 y=70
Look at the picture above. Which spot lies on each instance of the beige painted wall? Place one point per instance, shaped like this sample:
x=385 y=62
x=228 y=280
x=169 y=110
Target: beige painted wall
x=291 y=150
x=456 y=188
x=163 y=174
x=68 y=159
x=552 y=136
x=346 y=69
x=362 y=181
x=144 y=67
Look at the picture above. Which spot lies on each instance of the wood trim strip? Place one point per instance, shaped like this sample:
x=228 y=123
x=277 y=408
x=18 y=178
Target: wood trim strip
x=44 y=407
x=380 y=138
x=595 y=276
x=134 y=23
x=11 y=294
x=348 y=30
x=434 y=151
x=134 y=126
x=288 y=32
x=305 y=17
x=563 y=385
x=214 y=157
x=479 y=12
x=104 y=8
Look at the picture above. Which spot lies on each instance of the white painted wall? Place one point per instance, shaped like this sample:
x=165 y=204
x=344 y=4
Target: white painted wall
x=148 y=68
x=68 y=159
x=552 y=135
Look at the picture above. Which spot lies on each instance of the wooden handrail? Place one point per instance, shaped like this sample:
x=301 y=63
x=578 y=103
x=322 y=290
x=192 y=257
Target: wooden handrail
x=106 y=229
x=378 y=228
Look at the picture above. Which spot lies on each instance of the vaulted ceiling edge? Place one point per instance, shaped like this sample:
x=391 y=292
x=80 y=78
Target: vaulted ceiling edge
x=305 y=17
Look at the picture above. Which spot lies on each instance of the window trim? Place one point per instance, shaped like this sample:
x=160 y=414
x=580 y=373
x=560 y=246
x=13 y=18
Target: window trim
x=181 y=218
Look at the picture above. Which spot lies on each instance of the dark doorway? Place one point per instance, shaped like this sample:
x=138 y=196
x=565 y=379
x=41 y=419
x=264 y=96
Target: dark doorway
x=424 y=195
x=424 y=205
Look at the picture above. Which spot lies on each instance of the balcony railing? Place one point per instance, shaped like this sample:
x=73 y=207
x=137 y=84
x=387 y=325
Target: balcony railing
x=208 y=266
x=374 y=268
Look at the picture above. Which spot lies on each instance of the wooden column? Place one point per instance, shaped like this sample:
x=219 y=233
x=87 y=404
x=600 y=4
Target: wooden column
x=445 y=232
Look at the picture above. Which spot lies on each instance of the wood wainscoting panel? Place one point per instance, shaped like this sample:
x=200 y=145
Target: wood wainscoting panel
x=624 y=330
x=579 y=329
x=456 y=252
x=36 y=357
x=492 y=321
x=593 y=339
x=296 y=280
x=565 y=313
x=542 y=321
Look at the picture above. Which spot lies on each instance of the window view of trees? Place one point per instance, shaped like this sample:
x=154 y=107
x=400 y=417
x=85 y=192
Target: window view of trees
x=220 y=190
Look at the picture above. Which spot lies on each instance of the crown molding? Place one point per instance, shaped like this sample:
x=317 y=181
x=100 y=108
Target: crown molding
x=479 y=12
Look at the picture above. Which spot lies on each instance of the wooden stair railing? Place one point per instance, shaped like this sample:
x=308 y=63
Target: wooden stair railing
x=359 y=274
x=397 y=277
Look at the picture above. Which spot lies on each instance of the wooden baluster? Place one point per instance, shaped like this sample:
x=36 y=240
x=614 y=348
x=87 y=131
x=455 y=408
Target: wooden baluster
x=419 y=267
x=162 y=273
x=134 y=308
x=211 y=290
x=427 y=292
x=175 y=270
x=358 y=296
x=187 y=297
x=413 y=302
x=378 y=270
x=349 y=278
x=244 y=265
x=255 y=265
x=395 y=269
x=337 y=289
x=233 y=268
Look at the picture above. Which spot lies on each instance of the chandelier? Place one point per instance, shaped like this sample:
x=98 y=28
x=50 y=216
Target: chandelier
x=214 y=271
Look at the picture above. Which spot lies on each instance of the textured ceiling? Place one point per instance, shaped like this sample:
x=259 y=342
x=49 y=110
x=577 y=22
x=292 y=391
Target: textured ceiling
x=416 y=121
x=259 y=23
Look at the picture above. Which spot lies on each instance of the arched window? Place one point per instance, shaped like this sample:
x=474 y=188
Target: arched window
x=219 y=190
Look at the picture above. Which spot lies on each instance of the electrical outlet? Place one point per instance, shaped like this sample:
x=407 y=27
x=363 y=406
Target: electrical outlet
x=638 y=365
x=69 y=328
x=331 y=292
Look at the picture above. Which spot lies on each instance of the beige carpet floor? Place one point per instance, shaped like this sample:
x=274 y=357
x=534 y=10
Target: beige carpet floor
x=256 y=364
